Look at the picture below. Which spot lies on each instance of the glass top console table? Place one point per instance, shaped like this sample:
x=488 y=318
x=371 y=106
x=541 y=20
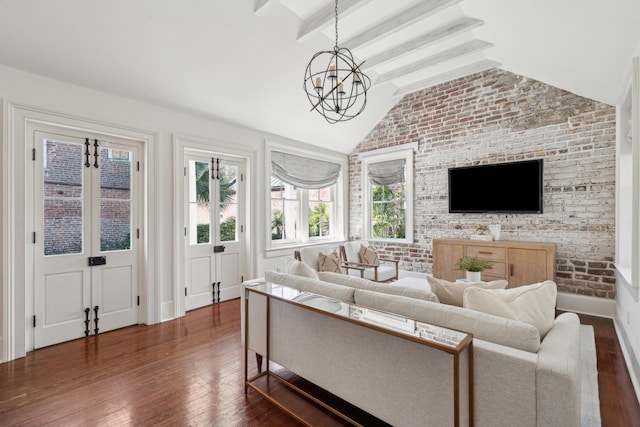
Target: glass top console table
x=442 y=339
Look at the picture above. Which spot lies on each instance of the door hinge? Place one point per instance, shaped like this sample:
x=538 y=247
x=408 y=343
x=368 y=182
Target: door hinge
x=34 y=321
x=241 y=279
x=138 y=166
x=185 y=291
x=138 y=299
x=185 y=231
x=241 y=177
x=33 y=155
x=34 y=237
x=137 y=233
x=185 y=171
x=242 y=228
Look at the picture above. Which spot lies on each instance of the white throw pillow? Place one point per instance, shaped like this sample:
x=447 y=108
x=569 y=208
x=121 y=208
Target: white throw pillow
x=299 y=268
x=533 y=304
x=452 y=293
x=329 y=262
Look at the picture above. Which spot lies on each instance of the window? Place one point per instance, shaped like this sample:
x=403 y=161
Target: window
x=320 y=208
x=285 y=211
x=303 y=193
x=387 y=186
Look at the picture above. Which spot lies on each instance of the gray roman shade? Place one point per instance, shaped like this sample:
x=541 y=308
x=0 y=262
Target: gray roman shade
x=387 y=173
x=304 y=172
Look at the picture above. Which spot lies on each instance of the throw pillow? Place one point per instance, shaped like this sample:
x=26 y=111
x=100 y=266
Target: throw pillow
x=369 y=255
x=299 y=268
x=330 y=262
x=533 y=304
x=452 y=293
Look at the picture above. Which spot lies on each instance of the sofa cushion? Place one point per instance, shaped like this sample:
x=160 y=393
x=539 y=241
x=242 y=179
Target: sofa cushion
x=498 y=330
x=329 y=262
x=299 y=268
x=452 y=293
x=306 y=284
x=359 y=283
x=534 y=304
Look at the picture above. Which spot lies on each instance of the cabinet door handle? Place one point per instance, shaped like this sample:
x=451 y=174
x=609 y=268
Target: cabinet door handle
x=485 y=252
x=510 y=269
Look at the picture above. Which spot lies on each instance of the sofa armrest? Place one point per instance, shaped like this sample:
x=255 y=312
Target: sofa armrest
x=558 y=374
x=256 y=335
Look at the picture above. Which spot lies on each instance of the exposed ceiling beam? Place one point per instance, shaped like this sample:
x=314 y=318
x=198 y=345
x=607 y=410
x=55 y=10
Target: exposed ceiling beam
x=259 y=6
x=453 y=74
x=326 y=16
x=399 y=21
x=428 y=39
x=455 y=52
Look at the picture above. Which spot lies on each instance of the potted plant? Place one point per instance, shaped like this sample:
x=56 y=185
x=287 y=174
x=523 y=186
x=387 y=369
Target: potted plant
x=473 y=266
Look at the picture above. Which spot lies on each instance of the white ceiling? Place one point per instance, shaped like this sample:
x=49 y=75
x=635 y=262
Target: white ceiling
x=243 y=61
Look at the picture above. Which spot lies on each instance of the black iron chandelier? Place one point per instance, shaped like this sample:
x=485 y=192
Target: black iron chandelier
x=334 y=83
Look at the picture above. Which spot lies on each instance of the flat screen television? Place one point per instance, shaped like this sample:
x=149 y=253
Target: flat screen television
x=514 y=187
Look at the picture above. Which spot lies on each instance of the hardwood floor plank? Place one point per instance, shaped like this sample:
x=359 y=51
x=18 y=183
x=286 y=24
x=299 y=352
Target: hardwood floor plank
x=189 y=371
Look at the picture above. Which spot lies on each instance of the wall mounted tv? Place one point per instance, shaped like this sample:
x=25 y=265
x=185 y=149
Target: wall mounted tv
x=515 y=187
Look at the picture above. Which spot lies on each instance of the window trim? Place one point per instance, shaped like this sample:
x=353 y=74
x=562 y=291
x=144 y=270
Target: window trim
x=377 y=156
x=340 y=196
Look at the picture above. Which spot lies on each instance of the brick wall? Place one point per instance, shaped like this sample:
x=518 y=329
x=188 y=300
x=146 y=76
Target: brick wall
x=64 y=202
x=493 y=117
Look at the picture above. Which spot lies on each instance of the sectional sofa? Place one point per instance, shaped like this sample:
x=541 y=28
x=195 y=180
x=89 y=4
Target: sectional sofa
x=519 y=379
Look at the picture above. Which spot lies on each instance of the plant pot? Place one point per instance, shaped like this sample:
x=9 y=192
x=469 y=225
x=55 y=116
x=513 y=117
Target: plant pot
x=474 y=276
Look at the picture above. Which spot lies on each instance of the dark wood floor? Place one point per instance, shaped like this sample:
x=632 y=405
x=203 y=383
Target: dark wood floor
x=190 y=372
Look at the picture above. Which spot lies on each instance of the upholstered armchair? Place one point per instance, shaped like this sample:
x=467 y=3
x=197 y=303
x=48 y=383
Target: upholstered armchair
x=383 y=270
x=310 y=255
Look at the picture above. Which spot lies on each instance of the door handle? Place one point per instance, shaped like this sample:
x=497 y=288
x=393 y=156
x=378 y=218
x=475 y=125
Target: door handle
x=97 y=260
x=219 y=248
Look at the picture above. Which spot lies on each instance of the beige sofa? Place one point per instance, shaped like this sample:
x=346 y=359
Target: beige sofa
x=517 y=378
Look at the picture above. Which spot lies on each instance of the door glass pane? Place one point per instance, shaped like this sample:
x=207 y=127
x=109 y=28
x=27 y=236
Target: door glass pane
x=228 y=182
x=199 y=206
x=63 y=197
x=115 y=199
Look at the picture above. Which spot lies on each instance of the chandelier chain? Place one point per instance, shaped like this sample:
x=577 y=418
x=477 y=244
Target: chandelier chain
x=336 y=9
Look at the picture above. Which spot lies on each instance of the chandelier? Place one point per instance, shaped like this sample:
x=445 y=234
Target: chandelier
x=334 y=83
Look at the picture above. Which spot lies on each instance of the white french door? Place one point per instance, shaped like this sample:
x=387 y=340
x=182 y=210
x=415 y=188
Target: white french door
x=214 y=218
x=86 y=247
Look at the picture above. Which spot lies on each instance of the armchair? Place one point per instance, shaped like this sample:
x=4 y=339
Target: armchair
x=385 y=270
x=309 y=255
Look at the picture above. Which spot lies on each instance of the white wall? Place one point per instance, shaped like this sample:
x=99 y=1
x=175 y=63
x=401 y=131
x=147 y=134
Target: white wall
x=628 y=223
x=19 y=88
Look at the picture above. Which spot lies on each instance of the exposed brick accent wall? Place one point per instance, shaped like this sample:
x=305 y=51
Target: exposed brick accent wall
x=493 y=117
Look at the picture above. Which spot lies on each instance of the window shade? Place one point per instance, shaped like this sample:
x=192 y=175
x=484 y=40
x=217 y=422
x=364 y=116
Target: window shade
x=304 y=172
x=387 y=173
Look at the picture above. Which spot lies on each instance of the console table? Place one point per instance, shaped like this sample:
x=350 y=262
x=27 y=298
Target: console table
x=332 y=320
x=520 y=263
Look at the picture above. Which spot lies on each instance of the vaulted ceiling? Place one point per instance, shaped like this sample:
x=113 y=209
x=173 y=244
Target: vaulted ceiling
x=243 y=61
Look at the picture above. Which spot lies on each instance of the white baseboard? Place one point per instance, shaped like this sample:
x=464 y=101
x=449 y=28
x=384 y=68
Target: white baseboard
x=633 y=366
x=168 y=312
x=593 y=306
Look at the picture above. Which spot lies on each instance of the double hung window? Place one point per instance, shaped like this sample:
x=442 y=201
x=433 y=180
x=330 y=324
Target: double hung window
x=388 y=195
x=303 y=199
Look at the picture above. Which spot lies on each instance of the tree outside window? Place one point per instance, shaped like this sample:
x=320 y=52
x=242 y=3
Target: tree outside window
x=388 y=213
x=320 y=211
